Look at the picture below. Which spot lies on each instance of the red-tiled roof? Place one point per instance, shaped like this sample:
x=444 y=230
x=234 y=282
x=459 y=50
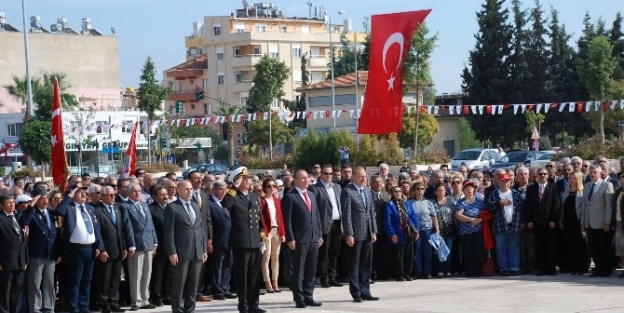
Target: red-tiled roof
x=343 y=81
x=198 y=63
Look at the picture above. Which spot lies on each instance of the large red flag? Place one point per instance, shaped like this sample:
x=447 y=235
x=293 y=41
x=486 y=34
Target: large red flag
x=58 y=140
x=391 y=35
x=129 y=165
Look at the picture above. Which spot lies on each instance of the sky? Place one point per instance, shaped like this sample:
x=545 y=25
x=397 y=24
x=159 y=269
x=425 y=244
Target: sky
x=157 y=27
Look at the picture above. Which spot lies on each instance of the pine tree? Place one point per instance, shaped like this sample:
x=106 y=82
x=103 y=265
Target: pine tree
x=537 y=54
x=417 y=67
x=150 y=94
x=616 y=37
x=587 y=35
x=517 y=60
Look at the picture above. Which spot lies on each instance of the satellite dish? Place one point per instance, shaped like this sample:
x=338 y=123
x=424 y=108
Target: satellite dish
x=113 y=30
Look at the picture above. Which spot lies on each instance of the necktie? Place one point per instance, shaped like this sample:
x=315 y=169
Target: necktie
x=190 y=212
x=541 y=192
x=198 y=198
x=307 y=201
x=47 y=218
x=86 y=219
x=363 y=195
x=140 y=208
x=15 y=224
x=112 y=214
x=591 y=191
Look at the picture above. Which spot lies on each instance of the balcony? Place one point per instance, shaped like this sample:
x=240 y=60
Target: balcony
x=319 y=61
x=182 y=95
x=245 y=60
x=185 y=74
x=241 y=86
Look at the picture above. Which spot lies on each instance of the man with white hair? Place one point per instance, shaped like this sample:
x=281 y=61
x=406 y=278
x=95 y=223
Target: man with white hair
x=94 y=195
x=384 y=171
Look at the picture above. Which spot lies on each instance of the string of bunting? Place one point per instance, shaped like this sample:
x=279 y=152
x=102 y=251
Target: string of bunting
x=463 y=110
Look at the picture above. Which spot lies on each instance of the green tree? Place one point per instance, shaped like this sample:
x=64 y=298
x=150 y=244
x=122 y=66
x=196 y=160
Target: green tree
x=268 y=83
x=536 y=87
x=417 y=67
x=597 y=73
x=533 y=120
x=517 y=60
x=616 y=37
x=299 y=105
x=345 y=64
x=321 y=148
x=391 y=152
x=18 y=90
x=150 y=94
x=611 y=117
x=35 y=140
x=81 y=121
x=467 y=137
x=368 y=151
x=428 y=127
x=587 y=35
x=305 y=74
x=365 y=54
x=259 y=132
x=195 y=131
x=221 y=153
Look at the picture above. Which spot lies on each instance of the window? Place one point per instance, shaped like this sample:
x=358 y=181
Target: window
x=100 y=129
x=275 y=104
x=216 y=29
x=239 y=27
x=207 y=109
x=273 y=50
x=257 y=50
x=127 y=126
x=296 y=76
x=181 y=86
x=221 y=79
x=172 y=86
x=243 y=101
x=260 y=28
x=15 y=129
x=283 y=29
x=239 y=78
x=221 y=103
x=237 y=52
x=296 y=51
x=205 y=84
x=305 y=29
x=220 y=53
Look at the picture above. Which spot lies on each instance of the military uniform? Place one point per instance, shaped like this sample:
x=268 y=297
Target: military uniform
x=246 y=241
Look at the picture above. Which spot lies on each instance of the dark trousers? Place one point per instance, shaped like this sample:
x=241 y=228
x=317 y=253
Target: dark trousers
x=545 y=250
x=360 y=259
x=575 y=248
x=599 y=243
x=201 y=281
x=160 y=282
x=221 y=267
x=124 y=286
x=184 y=285
x=328 y=253
x=108 y=277
x=246 y=271
x=401 y=258
x=11 y=290
x=527 y=250
x=80 y=261
x=305 y=258
x=472 y=252
x=380 y=257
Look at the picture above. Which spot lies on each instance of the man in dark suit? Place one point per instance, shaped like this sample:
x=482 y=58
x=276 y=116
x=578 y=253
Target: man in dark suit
x=200 y=198
x=381 y=260
x=13 y=256
x=83 y=244
x=160 y=287
x=44 y=253
x=115 y=228
x=328 y=200
x=122 y=190
x=543 y=205
x=346 y=173
x=302 y=224
x=185 y=245
x=360 y=230
x=221 y=259
x=245 y=240
x=145 y=245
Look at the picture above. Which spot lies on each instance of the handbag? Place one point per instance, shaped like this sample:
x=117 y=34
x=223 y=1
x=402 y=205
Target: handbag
x=410 y=232
x=487 y=267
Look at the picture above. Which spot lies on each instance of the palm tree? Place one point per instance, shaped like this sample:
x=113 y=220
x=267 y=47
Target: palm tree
x=67 y=100
x=230 y=111
x=19 y=89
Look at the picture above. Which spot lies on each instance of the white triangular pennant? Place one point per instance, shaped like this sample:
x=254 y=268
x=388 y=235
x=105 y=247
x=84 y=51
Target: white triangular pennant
x=481 y=109
x=516 y=107
x=473 y=108
x=436 y=110
x=538 y=108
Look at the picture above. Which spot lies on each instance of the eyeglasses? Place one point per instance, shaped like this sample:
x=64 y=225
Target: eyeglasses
x=576 y=163
x=111 y=195
x=114 y=186
x=457 y=182
x=542 y=174
x=316 y=167
x=550 y=165
x=419 y=188
x=270 y=186
x=395 y=191
x=327 y=173
x=585 y=165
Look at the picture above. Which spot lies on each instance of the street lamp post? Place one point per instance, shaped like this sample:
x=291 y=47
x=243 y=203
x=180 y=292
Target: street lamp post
x=356 y=48
x=30 y=108
x=331 y=63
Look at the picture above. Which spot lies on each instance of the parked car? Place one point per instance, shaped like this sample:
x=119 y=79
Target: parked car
x=541 y=161
x=214 y=169
x=474 y=158
x=513 y=158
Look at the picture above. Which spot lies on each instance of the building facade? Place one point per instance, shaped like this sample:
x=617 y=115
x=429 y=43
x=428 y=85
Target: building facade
x=319 y=102
x=89 y=59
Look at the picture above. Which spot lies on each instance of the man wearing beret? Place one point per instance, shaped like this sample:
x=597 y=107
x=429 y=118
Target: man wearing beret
x=245 y=240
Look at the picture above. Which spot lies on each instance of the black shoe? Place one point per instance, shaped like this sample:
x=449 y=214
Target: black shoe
x=106 y=310
x=334 y=283
x=218 y=297
x=505 y=273
x=513 y=273
x=400 y=279
x=262 y=293
x=408 y=278
x=158 y=303
x=325 y=285
x=134 y=308
x=371 y=281
x=256 y=310
x=357 y=300
x=166 y=301
x=230 y=296
x=148 y=307
x=311 y=302
x=300 y=305
x=370 y=298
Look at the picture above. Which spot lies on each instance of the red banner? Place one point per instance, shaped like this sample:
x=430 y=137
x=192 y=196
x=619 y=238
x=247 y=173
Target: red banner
x=129 y=165
x=391 y=35
x=58 y=161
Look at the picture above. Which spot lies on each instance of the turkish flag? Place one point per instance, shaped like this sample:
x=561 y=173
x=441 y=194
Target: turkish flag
x=129 y=165
x=58 y=142
x=391 y=36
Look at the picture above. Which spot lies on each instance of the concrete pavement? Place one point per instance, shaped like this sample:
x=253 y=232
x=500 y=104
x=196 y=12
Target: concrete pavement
x=560 y=294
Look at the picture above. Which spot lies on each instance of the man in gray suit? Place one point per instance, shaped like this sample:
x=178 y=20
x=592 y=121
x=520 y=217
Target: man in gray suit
x=185 y=245
x=596 y=212
x=360 y=230
x=145 y=242
x=328 y=200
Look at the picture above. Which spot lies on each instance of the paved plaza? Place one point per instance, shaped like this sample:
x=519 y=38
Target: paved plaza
x=563 y=293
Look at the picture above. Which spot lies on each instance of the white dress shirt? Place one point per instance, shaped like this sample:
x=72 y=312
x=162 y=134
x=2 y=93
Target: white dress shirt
x=332 y=199
x=80 y=235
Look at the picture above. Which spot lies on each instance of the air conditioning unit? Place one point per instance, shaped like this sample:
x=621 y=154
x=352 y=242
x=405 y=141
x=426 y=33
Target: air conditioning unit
x=240 y=141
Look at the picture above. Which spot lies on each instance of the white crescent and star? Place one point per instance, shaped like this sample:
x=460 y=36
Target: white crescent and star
x=54 y=141
x=395 y=38
x=56 y=113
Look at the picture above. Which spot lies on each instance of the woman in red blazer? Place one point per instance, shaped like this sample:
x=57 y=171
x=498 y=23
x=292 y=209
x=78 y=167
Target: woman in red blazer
x=271 y=214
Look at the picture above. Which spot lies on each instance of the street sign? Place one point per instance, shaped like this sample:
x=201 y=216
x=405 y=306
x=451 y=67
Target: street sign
x=108 y=150
x=621 y=123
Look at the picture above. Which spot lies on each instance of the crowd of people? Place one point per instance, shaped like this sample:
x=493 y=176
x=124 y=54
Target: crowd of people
x=145 y=241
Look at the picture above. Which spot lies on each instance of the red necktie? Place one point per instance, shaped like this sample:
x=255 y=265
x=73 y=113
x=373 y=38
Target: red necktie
x=541 y=192
x=307 y=201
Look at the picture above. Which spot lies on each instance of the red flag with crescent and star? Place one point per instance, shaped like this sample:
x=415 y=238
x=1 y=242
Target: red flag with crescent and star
x=129 y=165
x=58 y=161
x=391 y=35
